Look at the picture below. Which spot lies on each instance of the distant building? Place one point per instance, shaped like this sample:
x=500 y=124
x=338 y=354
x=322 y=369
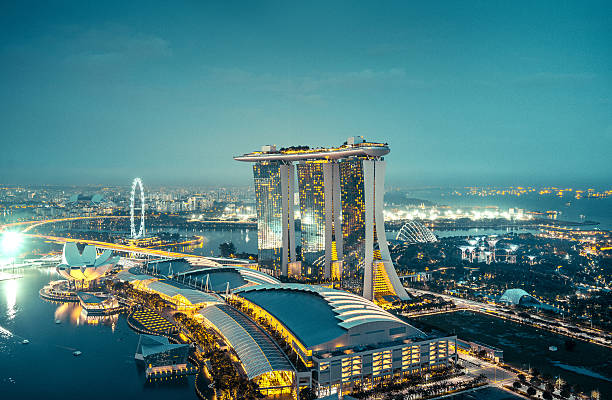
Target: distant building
x=93 y=199
x=485 y=250
x=491 y=352
x=518 y=297
x=415 y=232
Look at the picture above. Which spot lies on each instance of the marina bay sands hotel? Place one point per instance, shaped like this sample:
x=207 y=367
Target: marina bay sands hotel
x=341 y=207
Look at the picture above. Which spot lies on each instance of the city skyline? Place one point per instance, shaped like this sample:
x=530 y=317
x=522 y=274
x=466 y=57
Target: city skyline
x=306 y=200
x=466 y=94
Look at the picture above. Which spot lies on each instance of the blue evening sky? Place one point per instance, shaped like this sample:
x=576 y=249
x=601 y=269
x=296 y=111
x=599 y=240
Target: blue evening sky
x=465 y=92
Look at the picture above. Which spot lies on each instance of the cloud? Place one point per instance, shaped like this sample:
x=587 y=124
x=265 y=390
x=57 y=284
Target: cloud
x=547 y=78
x=110 y=46
x=311 y=88
x=114 y=45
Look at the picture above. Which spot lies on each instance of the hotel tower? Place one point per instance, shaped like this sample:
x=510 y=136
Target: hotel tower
x=341 y=193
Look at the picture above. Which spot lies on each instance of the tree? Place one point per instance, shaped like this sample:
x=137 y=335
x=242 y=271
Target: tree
x=531 y=391
x=227 y=249
x=547 y=395
x=522 y=377
x=307 y=394
x=517 y=385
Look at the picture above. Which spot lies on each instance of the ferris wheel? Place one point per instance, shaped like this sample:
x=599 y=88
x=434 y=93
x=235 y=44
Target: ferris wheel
x=136 y=209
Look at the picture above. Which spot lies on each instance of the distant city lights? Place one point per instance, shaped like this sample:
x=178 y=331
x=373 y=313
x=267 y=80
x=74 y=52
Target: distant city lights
x=434 y=213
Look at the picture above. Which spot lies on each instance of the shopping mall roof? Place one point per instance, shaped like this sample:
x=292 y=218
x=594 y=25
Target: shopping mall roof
x=172 y=289
x=237 y=277
x=318 y=315
x=133 y=274
x=257 y=352
x=167 y=266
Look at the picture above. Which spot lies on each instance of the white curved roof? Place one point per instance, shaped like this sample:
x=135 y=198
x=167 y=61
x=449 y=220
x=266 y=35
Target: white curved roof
x=250 y=275
x=350 y=309
x=257 y=352
x=514 y=296
x=255 y=276
x=193 y=296
x=133 y=274
x=415 y=232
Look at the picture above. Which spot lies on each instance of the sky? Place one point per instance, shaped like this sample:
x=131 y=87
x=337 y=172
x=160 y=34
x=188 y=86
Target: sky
x=464 y=92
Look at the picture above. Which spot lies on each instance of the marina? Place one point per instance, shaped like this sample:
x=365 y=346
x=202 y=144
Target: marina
x=77 y=347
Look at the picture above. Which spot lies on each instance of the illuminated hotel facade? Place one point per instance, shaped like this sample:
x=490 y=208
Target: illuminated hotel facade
x=275 y=225
x=341 y=204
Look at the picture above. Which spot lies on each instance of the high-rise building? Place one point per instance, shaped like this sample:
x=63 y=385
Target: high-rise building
x=341 y=204
x=353 y=215
x=320 y=208
x=311 y=187
x=275 y=225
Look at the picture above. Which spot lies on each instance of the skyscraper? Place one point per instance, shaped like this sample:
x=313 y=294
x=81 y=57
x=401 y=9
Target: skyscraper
x=341 y=194
x=275 y=225
x=320 y=207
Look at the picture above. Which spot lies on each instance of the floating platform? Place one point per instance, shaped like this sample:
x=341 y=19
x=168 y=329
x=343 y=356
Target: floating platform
x=170 y=371
x=97 y=305
x=49 y=293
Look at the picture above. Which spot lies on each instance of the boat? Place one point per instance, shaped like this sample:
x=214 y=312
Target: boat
x=25 y=341
x=77 y=353
x=552 y=348
x=57 y=321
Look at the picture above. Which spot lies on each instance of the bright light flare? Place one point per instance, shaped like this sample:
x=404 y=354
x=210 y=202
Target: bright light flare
x=11 y=241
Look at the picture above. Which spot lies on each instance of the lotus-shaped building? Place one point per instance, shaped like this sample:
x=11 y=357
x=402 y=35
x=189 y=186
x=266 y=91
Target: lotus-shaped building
x=85 y=266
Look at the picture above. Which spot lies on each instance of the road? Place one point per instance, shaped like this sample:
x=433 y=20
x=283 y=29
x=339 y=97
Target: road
x=32 y=224
x=564 y=328
x=122 y=248
x=28 y=225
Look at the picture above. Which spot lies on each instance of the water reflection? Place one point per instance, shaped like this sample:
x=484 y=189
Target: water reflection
x=10 y=289
x=75 y=315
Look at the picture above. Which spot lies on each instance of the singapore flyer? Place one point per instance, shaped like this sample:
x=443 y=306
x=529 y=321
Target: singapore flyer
x=136 y=209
